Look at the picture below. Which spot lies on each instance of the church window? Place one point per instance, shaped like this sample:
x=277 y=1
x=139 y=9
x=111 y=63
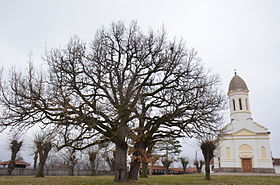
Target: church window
x=246 y=148
x=227 y=152
x=246 y=101
x=240 y=104
x=263 y=153
x=233 y=102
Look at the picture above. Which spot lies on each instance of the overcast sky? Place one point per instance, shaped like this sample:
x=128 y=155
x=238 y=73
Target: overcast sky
x=228 y=35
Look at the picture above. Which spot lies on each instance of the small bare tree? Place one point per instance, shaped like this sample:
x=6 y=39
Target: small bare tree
x=170 y=148
x=72 y=161
x=208 y=147
x=198 y=165
x=184 y=161
x=111 y=160
x=15 y=147
x=92 y=158
x=208 y=142
x=166 y=162
x=43 y=143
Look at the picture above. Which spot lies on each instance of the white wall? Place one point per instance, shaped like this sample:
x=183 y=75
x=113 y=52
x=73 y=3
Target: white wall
x=277 y=169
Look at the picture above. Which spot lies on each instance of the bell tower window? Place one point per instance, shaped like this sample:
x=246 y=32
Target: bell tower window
x=233 y=102
x=246 y=101
x=240 y=104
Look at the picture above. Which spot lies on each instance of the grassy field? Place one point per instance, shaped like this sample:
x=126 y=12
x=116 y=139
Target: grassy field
x=152 y=180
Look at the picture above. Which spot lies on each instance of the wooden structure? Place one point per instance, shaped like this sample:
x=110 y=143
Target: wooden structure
x=19 y=164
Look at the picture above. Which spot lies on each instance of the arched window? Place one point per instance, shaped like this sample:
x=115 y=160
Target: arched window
x=246 y=101
x=245 y=148
x=263 y=152
x=227 y=152
x=240 y=104
x=233 y=102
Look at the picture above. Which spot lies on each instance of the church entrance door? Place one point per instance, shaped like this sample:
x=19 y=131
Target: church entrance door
x=247 y=165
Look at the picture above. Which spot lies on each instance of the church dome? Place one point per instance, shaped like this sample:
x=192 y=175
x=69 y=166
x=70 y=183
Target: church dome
x=237 y=84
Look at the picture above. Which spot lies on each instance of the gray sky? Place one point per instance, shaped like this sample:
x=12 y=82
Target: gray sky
x=228 y=35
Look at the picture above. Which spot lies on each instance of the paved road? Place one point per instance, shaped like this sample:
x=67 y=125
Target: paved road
x=247 y=174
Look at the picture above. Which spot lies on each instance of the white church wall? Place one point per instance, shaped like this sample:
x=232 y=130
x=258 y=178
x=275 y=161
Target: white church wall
x=264 y=161
x=225 y=160
x=277 y=169
x=235 y=155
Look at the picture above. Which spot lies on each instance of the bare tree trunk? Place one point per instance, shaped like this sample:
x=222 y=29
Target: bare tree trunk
x=92 y=159
x=200 y=165
x=134 y=170
x=208 y=148
x=11 y=167
x=207 y=169
x=121 y=163
x=136 y=161
x=145 y=163
x=40 y=171
x=35 y=160
x=15 y=147
x=71 y=170
x=43 y=151
x=72 y=160
x=166 y=163
x=111 y=161
x=196 y=164
x=145 y=171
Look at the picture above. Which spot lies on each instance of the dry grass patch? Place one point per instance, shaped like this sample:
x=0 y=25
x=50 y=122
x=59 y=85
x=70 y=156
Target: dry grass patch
x=152 y=180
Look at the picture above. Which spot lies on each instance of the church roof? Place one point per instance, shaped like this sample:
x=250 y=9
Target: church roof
x=237 y=84
x=251 y=126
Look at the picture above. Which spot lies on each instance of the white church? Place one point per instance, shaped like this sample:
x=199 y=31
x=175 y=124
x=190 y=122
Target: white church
x=245 y=145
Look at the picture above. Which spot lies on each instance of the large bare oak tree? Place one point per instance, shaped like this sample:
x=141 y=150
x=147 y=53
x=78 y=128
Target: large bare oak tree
x=130 y=87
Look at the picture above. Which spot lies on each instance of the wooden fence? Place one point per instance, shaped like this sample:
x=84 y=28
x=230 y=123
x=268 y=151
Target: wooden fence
x=52 y=172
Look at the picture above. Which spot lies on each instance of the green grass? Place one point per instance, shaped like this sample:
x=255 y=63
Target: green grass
x=152 y=180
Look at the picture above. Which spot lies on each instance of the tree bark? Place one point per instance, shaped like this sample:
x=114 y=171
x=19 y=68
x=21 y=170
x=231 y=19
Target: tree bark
x=71 y=170
x=208 y=148
x=40 y=171
x=15 y=147
x=43 y=151
x=134 y=170
x=35 y=160
x=92 y=159
x=145 y=171
x=136 y=161
x=121 y=163
x=11 y=167
x=207 y=169
x=148 y=158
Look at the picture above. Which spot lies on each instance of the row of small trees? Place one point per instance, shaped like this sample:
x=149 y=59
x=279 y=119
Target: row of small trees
x=165 y=152
x=127 y=87
x=46 y=143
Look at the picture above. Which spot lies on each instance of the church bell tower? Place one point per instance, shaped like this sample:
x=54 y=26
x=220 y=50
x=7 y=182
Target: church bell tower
x=238 y=98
